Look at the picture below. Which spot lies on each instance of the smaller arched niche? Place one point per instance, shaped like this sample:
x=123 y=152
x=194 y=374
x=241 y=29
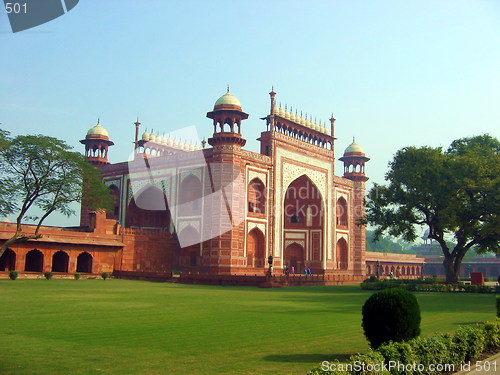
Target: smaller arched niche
x=84 y=263
x=60 y=261
x=256 y=248
x=190 y=196
x=114 y=212
x=342 y=213
x=256 y=197
x=342 y=254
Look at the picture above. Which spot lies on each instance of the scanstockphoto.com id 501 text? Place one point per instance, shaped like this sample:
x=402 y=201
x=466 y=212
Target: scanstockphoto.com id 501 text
x=357 y=366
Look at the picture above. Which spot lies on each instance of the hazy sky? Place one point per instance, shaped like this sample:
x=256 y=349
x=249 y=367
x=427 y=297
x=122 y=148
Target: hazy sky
x=394 y=73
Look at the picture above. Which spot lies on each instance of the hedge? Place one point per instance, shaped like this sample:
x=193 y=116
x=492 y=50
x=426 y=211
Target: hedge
x=467 y=343
x=427 y=286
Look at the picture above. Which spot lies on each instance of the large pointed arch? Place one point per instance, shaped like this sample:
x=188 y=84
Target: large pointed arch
x=303 y=204
x=149 y=210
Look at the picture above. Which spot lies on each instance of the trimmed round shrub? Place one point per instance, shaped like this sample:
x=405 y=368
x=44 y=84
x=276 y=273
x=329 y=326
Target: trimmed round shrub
x=13 y=275
x=391 y=315
x=105 y=275
x=77 y=276
x=48 y=275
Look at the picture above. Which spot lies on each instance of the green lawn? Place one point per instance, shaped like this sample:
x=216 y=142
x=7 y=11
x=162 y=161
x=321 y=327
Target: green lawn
x=135 y=327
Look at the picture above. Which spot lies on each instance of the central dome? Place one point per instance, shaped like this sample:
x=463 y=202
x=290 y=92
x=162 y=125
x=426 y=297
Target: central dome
x=228 y=101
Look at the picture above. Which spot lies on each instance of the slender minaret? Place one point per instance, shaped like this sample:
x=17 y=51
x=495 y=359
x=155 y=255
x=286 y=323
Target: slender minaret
x=354 y=159
x=224 y=254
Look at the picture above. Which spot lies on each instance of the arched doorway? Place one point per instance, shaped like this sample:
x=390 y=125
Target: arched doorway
x=114 y=212
x=60 y=261
x=84 y=263
x=294 y=257
x=256 y=248
x=189 y=256
x=303 y=210
x=8 y=261
x=342 y=254
x=34 y=261
x=148 y=210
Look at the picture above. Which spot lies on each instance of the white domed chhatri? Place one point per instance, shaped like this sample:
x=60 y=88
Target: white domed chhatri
x=228 y=101
x=354 y=148
x=98 y=130
x=228 y=98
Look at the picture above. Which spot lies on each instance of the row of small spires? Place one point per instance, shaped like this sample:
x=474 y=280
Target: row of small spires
x=167 y=141
x=299 y=119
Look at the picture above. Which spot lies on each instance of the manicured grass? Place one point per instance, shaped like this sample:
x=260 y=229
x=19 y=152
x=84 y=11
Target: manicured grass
x=134 y=327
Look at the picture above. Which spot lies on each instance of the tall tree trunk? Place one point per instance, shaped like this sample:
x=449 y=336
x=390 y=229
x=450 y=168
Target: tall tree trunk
x=450 y=269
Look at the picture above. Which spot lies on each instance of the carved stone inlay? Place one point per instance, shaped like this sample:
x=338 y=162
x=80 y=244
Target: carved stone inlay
x=291 y=172
x=299 y=242
x=195 y=172
x=255 y=156
x=260 y=226
x=184 y=224
x=255 y=174
x=345 y=236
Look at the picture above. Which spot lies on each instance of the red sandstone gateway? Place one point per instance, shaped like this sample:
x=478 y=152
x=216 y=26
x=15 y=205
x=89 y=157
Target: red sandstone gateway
x=219 y=210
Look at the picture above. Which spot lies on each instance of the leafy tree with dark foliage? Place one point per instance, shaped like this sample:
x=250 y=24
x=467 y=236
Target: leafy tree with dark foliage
x=42 y=172
x=452 y=193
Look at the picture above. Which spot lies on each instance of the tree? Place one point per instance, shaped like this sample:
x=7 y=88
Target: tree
x=382 y=245
x=42 y=172
x=453 y=193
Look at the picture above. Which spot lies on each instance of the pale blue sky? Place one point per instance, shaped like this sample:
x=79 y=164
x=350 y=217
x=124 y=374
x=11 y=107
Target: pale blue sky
x=394 y=73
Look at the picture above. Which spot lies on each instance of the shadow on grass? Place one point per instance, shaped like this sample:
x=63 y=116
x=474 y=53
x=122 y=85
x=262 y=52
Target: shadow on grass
x=306 y=358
